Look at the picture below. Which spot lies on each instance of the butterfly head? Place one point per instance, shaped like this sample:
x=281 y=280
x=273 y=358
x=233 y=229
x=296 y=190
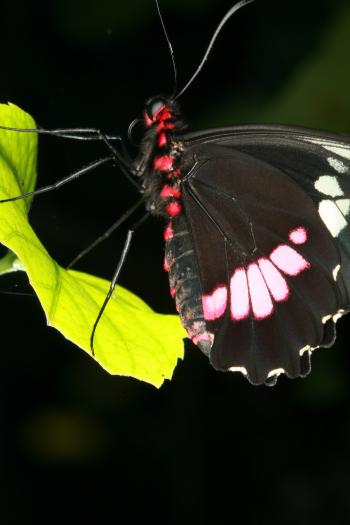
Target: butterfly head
x=160 y=110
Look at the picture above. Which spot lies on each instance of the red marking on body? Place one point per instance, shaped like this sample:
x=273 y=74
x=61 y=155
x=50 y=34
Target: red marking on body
x=214 y=304
x=172 y=292
x=163 y=113
x=170 y=191
x=276 y=283
x=288 y=260
x=162 y=140
x=240 y=306
x=165 y=126
x=173 y=208
x=168 y=232
x=176 y=173
x=163 y=163
x=166 y=265
x=298 y=235
x=148 y=120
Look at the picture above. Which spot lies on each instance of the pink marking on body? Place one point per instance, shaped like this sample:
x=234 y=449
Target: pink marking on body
x=166 y=265
x=262 y=305
x=162 y=140
x=298 y=235
x=173 y=208
x=165 y=126
x=148 y=120
x=170 y=191
x=168 y=232
x=240 y=306
x=276 y=283
x=214 y=304
x=205 y=336
x=195 y=328
x=163 y=113
x=288 y=260
x=163 y=163
x=172 y=292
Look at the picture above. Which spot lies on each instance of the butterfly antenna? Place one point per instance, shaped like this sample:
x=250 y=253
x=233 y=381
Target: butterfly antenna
x=170 y=49
x=228 y=15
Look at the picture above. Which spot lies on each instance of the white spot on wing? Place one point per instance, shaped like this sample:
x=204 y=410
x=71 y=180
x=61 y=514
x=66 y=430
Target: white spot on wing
x=306 y=348
x=335 y=272
x=332 y=217
x=338 y=165
x=343 y=205
x=328 y=186
x=338 y=315
x=326 y=318
x=276 y=372
x=239 y=369
x=342 y=151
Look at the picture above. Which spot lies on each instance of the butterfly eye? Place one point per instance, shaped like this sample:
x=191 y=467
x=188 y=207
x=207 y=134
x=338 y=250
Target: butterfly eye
x=154 y=109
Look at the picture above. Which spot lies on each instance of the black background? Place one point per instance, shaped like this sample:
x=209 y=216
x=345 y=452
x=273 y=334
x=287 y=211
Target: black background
x=78 y=444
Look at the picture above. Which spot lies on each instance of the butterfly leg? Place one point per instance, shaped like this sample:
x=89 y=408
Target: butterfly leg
x=57 y=185
x=115 y=278
x=123 y=161
x=66 y=133
x=107 y=233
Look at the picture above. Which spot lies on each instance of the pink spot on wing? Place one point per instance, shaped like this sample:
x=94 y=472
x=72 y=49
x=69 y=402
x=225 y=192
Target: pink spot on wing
x=240 y=306
x=172 y=292
x=288 y=260
x=214 y=304
x=298 y=235
x=259 y=294
x=276 y=283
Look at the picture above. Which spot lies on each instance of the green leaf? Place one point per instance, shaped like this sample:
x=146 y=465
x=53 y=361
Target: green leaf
x=131 y=339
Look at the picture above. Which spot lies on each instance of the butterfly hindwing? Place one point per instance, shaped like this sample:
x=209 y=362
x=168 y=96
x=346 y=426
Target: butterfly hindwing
x=268 y=265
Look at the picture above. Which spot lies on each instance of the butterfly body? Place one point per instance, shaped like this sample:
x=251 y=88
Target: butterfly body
x=256 y=242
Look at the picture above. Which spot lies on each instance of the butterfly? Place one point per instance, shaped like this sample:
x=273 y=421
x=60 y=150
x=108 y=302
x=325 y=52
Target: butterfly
x=257 y=242
x=257 y=237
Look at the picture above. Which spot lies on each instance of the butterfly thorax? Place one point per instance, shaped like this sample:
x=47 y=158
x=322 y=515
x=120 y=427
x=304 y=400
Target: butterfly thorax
x=158 y=161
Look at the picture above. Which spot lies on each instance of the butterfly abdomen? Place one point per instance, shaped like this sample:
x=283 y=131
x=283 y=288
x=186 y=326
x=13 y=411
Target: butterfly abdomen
x=184 y=282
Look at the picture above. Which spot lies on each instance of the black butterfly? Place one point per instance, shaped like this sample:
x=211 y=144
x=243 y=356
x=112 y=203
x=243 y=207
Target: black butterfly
x=257 y=241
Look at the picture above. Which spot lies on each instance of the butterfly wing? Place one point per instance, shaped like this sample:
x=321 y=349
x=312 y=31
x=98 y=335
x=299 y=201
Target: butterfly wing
x=273 y=273
x=319 y=162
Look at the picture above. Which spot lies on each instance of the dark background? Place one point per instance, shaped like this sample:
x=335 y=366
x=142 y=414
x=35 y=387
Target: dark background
x=78 y=444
